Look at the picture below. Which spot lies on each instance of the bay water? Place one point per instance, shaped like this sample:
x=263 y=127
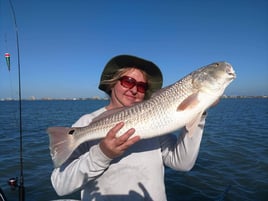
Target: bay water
x=232 y=164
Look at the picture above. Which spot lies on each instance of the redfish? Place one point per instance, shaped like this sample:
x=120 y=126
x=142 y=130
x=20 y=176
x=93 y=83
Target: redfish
x=169 y=109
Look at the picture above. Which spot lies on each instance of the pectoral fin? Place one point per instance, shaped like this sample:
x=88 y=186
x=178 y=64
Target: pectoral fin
x=188 y=103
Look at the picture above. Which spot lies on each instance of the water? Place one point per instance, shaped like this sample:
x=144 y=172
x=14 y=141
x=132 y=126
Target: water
x=232 y=164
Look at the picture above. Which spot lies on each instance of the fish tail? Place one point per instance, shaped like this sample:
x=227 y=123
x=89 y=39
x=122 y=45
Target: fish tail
x=61 y=144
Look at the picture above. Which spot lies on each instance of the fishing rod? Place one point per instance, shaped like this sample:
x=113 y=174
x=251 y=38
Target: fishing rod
x=12 y=181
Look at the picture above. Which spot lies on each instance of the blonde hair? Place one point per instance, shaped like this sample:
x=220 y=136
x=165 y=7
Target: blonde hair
x=110 y=83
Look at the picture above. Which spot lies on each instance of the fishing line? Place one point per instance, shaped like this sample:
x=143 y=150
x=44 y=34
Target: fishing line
x=11 y=87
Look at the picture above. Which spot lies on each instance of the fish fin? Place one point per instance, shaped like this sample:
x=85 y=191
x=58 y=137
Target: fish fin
x=191 y=126
x=189 y=102
x=61 y=144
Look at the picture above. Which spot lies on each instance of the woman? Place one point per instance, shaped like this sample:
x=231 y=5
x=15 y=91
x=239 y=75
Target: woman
x=126 y=168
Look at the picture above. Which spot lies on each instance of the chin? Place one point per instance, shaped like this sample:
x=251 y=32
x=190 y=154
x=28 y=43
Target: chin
x=129 y=102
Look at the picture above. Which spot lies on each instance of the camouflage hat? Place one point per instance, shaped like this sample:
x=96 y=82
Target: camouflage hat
x=122 y=61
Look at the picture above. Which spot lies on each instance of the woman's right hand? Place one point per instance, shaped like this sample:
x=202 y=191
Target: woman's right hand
x=113 y=146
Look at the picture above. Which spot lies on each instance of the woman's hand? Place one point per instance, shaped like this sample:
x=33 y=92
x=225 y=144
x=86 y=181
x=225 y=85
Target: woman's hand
x=113 y=146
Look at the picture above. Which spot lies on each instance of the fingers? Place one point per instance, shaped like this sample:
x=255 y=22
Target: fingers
x=123 y=147
x=113 y=146
x=112 y=133
x=123 y=138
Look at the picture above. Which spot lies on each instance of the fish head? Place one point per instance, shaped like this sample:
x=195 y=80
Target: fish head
x=213 y=78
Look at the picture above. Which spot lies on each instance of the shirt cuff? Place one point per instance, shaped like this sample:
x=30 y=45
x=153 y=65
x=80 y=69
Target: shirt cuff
x=100 y=155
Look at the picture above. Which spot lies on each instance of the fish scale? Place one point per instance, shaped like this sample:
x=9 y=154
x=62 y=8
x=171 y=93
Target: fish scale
x=169 y=109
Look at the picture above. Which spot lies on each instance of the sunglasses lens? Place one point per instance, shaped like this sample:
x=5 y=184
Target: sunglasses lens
x=142 y=87
x=130 y=82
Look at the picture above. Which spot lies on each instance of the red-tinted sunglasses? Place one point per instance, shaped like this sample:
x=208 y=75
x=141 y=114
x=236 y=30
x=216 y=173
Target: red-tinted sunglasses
x=130 y=82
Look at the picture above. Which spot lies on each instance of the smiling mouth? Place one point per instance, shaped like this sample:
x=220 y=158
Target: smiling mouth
x=130 y=97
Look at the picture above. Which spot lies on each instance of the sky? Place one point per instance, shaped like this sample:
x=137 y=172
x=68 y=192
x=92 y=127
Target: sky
x=65 y=44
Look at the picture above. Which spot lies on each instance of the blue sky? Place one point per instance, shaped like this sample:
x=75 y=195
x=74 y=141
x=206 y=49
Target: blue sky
x=64 y=44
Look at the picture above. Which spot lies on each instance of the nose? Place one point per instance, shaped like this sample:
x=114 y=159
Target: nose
x=134 y=90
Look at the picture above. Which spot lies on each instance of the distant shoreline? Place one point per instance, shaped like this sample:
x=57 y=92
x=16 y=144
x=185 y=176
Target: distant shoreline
x=98 y=98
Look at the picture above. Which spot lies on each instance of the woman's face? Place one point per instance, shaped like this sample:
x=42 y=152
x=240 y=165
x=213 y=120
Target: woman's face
x=124 y=96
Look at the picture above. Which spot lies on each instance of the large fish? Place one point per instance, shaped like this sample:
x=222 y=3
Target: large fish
x=167 y=110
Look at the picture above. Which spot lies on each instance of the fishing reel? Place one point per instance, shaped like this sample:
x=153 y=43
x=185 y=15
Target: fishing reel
x=13 y=183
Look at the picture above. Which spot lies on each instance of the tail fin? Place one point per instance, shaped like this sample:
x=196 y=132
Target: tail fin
x=61 y=144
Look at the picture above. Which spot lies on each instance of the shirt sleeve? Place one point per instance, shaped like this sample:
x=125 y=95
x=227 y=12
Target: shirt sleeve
x=182 y=154
x=80 y=168
x=71 y=176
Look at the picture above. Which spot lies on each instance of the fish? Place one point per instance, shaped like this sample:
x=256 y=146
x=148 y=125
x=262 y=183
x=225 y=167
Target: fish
x=169 y=109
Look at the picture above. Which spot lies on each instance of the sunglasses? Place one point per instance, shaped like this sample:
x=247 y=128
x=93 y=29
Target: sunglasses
x=130 y=82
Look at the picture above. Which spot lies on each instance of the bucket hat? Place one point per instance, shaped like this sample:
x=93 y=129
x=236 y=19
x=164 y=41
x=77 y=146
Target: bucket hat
x=122 y=61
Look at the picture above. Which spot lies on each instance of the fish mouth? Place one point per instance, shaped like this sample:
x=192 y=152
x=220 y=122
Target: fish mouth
x=230 y=71
x=232 y=74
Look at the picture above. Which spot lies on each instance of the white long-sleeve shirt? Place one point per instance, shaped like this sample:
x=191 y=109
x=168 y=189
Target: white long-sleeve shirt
x=136 y=175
